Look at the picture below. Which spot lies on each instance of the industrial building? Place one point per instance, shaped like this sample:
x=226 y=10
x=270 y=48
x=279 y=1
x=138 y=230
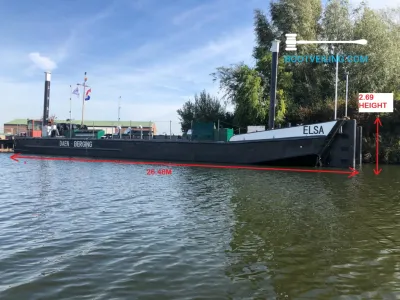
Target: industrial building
x=24 y=126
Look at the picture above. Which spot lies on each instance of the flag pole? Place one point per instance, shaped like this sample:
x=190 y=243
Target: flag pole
x=119 y=115
x=83 y=97
x=70 y=109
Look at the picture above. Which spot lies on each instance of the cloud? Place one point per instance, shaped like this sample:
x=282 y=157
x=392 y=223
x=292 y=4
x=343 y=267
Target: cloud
x=154 y=74
x=140 y=5
x=190 y=14
x=193 y=66
x=166 y=84
x=199 y=16
x=65 y=48
x=152 y=93
x=43 y=62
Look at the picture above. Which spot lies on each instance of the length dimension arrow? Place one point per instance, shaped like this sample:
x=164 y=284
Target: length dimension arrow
x=17 y=156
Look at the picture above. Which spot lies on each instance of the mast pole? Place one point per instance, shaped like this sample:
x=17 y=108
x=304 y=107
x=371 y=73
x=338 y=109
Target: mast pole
x=347 y=92
x=336 y=84
x=83 y=97
x=70 y=111
x=119 y=119
x=274 y=74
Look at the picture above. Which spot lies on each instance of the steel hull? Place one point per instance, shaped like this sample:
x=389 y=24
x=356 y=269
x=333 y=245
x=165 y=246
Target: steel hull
x=293 y=151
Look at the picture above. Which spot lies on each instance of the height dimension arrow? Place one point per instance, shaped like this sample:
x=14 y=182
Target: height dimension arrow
x=377 y=123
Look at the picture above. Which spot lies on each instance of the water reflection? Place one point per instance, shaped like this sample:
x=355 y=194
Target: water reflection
x=197 y=234
x=314 y=239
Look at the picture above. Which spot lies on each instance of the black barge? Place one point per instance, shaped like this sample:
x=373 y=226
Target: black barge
x=329 y=144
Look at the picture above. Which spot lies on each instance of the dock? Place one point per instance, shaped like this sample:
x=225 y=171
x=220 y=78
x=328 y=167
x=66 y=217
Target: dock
x=6 y=146
x=6 y=150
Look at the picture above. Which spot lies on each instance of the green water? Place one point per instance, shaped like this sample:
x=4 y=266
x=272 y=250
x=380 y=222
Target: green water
x=73 y=230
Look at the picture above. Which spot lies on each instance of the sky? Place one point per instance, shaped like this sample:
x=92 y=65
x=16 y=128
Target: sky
x=153 y=54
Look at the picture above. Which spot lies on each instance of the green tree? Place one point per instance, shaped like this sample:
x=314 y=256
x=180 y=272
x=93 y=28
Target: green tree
x=244 y=91
x=205 y=108
x=284 y=86
x=380 y=69
x=391 y=17
x=302 y=18
x=186 y=115
x=264 y=34
x=294 y=16
x=305 y=91
x=336 y=25
x=336 y=22
x=248 y=88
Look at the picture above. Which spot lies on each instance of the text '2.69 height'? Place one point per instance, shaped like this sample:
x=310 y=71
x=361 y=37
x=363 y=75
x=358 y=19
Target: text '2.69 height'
x=375 y=102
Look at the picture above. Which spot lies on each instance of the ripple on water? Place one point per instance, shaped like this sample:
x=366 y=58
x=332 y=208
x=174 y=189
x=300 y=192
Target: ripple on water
x=105 y=231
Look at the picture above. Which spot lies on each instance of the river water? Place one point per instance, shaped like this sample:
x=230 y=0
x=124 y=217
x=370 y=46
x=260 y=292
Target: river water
x=72 y=230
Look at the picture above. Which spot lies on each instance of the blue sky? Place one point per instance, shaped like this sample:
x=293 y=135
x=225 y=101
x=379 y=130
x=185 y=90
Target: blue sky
x=154 y=54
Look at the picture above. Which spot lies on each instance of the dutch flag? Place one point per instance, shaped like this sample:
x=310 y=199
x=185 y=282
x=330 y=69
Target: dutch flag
x=89 y=91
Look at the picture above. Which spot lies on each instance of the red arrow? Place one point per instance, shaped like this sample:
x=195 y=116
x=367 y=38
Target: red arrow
x=15 y=157
x=378 y=123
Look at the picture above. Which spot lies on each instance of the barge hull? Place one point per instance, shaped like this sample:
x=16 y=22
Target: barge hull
x=336 y=150
x=257 y=152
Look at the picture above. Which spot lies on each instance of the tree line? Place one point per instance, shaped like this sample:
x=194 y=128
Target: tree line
x=306 y=91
